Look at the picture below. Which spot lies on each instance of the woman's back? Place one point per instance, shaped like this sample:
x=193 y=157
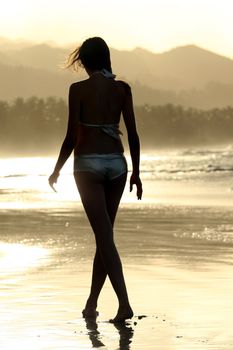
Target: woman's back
x=101 y=102
x=101 y=99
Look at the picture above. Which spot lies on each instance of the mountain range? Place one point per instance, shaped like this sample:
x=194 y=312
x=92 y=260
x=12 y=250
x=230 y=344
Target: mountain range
x=187 y=75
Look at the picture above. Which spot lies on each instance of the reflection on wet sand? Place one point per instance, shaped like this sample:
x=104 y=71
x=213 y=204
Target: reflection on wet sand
x=126 y=335
x=125 y=332
x=17 y=258
x=93 y=333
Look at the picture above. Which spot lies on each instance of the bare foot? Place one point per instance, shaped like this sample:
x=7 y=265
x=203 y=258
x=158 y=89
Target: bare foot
x=122 y=315
x=90 y=313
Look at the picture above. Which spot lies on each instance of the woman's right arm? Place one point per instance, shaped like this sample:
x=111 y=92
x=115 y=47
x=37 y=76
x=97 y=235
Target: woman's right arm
x=133 y=139
x=71 y=134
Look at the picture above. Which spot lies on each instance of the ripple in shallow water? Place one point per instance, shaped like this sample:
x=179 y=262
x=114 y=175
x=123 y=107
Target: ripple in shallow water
x=219 y=233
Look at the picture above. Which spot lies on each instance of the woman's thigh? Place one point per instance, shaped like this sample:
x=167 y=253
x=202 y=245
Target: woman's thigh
x=113 y=193
x=91 y=190
x=100 y=199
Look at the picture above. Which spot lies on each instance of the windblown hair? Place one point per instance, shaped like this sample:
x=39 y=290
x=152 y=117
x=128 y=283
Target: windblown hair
x=93 y=54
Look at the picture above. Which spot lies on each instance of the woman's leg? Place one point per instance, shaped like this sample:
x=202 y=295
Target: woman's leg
x=101 y=201
x=113 y=193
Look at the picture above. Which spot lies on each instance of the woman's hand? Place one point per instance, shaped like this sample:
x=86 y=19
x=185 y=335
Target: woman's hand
x=53 y=180
x=135 y=180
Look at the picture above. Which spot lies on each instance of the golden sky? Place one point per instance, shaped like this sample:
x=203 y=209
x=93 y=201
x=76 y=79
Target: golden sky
x=157 y=25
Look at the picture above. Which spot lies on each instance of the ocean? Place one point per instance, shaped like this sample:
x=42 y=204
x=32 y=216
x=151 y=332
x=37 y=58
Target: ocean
x=203 y=175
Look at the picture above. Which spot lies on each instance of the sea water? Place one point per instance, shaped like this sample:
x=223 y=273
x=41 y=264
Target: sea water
x=200 y=176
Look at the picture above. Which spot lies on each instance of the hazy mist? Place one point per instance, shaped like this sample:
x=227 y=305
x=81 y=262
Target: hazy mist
x=183 y=97
x=39 y=126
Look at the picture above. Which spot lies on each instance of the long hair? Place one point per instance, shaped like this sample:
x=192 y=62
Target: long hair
x=93 y=54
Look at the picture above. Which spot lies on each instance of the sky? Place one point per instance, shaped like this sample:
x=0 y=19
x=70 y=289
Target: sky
x=156 y=25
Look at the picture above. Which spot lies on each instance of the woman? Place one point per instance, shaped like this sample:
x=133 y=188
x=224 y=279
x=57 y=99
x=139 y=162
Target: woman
x=100 y=168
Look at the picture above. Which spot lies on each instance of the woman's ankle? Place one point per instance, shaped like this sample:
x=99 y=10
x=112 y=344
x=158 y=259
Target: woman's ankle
x=91 y=304
x=124 y=305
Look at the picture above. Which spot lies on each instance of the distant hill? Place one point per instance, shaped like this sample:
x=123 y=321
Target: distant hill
x=25 y=82
x=188 y=75
x=40 y=56
x=183 y=68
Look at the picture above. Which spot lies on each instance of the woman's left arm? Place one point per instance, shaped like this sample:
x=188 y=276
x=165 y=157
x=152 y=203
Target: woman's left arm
x=71 y=134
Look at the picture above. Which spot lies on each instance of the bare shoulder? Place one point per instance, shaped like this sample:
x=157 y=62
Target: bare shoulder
x=125 y=87
x=77 y=85
x=77 y=89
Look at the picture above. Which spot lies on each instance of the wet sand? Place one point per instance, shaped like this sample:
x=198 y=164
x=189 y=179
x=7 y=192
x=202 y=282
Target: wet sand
x=178 y=266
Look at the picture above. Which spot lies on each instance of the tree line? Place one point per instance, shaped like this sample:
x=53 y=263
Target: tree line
x=38 y=126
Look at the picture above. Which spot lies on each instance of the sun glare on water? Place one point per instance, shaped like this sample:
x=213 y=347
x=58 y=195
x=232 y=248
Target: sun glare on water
x=16 y=258
x=24 y=183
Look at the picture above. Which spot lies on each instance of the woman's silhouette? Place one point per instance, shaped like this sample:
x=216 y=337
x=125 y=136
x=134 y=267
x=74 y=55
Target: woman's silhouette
x=100 y=168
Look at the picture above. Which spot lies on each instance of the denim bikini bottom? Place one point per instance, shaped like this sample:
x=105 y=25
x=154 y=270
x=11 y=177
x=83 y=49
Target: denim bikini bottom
x=108 y=166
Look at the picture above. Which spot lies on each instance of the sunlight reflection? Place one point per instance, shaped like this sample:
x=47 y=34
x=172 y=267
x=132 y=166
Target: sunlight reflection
x=18 y=257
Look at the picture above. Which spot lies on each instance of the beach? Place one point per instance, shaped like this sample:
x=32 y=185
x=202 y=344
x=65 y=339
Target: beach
x=176 y=247
x=181 y=282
